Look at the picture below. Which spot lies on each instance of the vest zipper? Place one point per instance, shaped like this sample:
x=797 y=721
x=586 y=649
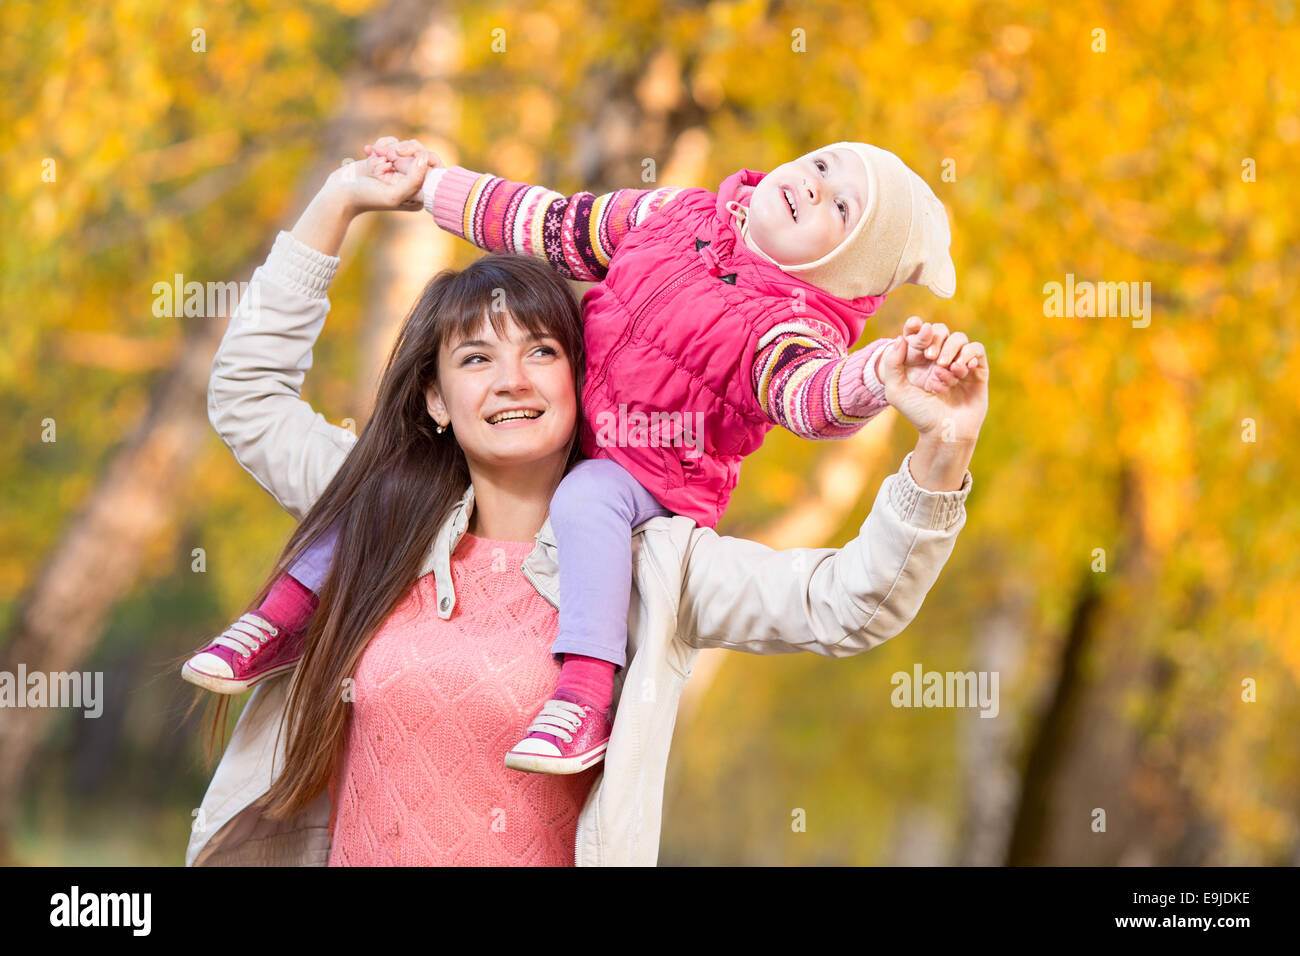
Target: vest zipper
x=664 y=289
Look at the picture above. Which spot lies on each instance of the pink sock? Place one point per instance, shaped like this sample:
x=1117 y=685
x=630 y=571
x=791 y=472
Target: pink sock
x=586 y=680
x=289 y=605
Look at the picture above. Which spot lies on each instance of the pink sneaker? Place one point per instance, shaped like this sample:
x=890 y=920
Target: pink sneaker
x=566 y=737
x=247 y=653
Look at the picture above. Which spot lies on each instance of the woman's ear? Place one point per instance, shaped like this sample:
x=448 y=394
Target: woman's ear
x=437 y=409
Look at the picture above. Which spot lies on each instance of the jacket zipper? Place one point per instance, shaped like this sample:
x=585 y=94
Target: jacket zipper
x=667 y=287
x=537 y=587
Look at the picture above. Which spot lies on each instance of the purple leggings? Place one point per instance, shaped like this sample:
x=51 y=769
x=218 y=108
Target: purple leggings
x=593 y=513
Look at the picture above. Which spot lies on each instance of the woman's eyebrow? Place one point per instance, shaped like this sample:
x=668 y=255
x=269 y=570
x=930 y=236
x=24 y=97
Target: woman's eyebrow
x=480 y=344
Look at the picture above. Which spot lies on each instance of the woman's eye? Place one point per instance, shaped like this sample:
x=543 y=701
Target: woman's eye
x=547 y=349
x=470 y=358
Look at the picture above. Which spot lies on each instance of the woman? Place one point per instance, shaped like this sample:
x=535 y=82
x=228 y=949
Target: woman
x=384 y=764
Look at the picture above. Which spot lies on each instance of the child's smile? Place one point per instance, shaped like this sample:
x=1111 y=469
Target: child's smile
x=803 y=209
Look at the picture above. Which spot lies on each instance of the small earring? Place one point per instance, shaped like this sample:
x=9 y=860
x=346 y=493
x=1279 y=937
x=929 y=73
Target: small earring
x=441 y=429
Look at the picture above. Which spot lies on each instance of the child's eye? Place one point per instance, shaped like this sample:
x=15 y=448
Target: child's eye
x=820 y=165
x=844 y=210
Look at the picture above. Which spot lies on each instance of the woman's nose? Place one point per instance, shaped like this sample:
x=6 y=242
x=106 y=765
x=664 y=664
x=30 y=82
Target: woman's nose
x=512 y=377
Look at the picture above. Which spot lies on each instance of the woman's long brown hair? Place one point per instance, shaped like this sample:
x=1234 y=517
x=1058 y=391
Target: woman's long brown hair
x=390 y=496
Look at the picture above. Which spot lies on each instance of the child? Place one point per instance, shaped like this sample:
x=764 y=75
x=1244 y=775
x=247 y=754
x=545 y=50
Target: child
x=717 y=317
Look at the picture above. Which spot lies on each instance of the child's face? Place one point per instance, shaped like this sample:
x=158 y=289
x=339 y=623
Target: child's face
x=828 y=188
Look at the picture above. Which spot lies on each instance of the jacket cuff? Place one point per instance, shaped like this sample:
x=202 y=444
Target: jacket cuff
x=932 y=510
x=446 y=194
x=299 y=267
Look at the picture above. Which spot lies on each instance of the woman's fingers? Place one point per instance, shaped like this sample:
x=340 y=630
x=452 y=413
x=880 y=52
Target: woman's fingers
x=974 y=358
x=951 y=347
x=939 y=333
x=409 y=185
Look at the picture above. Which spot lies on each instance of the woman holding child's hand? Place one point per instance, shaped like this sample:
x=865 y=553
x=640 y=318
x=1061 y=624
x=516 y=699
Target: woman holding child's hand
x=370 y=184
x=938 y=381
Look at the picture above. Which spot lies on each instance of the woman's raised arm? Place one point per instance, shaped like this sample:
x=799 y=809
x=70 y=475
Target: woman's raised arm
x=254 y=390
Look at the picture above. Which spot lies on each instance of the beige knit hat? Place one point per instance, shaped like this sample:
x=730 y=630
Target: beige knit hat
x=901 y=237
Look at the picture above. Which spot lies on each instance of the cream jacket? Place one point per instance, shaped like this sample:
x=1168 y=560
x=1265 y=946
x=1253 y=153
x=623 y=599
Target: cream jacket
x=692 y=589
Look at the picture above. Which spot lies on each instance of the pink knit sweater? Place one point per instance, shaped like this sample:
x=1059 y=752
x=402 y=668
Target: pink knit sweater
x=437 y=705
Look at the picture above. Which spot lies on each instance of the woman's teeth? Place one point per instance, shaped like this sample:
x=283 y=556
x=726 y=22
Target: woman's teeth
x=508 y=416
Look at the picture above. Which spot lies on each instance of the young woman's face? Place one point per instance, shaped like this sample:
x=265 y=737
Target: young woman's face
x=508 y=401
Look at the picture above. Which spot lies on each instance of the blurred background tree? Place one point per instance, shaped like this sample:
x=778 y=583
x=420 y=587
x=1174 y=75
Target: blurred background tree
x=1149 y=143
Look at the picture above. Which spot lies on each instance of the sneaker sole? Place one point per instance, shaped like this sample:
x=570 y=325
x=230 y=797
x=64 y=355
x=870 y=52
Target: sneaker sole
x=230 y=685
x=539 y=763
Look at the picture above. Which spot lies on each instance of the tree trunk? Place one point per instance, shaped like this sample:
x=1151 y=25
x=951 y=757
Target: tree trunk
x=97 y=557
x=990 y=747
x=1088 y=755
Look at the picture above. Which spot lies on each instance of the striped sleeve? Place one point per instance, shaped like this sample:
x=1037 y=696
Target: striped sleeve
x=812 y=387
x=576 y=234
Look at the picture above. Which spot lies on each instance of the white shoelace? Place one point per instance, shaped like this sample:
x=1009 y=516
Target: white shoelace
x=560 y=718
x=246 y=634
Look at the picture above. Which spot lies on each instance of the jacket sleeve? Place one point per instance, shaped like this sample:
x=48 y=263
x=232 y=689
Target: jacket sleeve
x=745 y=596
x=257 y=374
x=810 y=386
x=577 y=235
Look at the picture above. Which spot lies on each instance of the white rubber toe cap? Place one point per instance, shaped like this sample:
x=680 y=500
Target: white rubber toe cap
x=211 y=665
x=535 y=745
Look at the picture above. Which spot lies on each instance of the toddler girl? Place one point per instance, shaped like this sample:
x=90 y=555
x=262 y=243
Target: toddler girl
x=716 y=317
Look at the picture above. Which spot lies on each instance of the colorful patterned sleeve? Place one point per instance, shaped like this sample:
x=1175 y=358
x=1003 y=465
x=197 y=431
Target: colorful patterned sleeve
x=576 y=234
x=814 y=389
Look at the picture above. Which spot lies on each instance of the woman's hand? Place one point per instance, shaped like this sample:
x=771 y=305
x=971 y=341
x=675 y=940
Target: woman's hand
x=354 y=188
x=374 y=183
x=399 y=155
x=939 y=383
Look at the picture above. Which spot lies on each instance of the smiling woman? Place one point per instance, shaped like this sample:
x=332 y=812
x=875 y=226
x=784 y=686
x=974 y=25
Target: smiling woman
x=508 y=396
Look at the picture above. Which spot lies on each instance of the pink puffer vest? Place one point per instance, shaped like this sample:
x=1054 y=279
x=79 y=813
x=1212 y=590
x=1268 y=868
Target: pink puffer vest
x=671 y=334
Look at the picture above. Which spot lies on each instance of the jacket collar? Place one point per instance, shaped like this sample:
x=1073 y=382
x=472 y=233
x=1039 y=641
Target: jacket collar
x=540 y=567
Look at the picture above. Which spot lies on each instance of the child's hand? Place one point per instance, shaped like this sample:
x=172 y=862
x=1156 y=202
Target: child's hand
x=399 y=155
x=938 y=381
